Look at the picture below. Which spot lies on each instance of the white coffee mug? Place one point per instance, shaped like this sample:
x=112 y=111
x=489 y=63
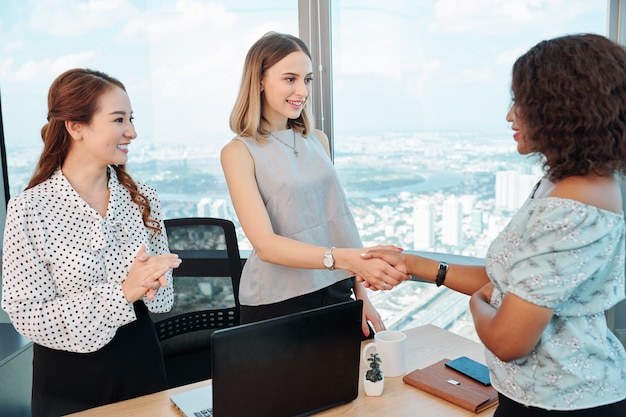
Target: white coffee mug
x=391 y=347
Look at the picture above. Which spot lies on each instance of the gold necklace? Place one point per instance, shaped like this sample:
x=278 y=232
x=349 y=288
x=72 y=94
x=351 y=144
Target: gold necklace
x=293 y=148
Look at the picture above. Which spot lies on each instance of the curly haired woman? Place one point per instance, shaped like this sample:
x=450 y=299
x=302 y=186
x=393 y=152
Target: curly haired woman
x=539 y=303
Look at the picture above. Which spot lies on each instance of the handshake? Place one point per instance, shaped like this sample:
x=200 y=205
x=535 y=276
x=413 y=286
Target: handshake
x=379 y=267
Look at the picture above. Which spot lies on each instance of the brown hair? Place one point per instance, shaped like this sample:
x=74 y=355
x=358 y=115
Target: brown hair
x=247 y=113
x=570 y=94
x=74 y=96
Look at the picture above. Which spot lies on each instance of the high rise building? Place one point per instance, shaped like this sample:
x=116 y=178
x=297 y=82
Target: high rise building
x=423 y=225
x=512 y=189
x=208 y=207
x=452 y=222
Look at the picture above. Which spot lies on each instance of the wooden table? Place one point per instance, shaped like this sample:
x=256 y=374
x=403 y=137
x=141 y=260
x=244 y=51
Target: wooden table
x=425 y=345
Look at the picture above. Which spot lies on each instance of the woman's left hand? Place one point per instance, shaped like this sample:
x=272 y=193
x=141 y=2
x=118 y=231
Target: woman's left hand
x=370 y=314
x=147 y=274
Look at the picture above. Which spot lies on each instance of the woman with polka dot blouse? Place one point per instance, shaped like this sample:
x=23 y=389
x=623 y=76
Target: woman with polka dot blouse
x=86 y=256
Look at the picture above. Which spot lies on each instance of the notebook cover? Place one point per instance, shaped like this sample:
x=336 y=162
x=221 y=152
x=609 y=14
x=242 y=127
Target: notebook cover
x=469 y=394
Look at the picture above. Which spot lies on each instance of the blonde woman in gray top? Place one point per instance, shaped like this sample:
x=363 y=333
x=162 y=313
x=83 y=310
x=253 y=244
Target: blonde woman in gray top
x=288 y=199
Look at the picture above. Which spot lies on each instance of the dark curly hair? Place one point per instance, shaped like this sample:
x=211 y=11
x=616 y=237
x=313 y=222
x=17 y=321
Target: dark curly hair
x=570 y=93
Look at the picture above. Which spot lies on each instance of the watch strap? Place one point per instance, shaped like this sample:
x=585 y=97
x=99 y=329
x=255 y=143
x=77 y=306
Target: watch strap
x=441 y=273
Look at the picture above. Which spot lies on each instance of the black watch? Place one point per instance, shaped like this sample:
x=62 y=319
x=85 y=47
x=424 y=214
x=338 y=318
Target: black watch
x=441 y=273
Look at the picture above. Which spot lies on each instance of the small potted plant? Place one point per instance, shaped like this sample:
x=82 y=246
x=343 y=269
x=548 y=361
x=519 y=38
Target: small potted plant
x=374 y=381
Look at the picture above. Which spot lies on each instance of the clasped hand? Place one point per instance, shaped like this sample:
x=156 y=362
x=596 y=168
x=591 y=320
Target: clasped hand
x=147 y=274
x=379 y=273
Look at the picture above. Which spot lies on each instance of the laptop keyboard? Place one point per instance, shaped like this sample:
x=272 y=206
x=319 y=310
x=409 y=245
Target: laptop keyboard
x=204 y=413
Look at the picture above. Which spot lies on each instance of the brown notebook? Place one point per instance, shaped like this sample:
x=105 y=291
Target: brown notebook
x=468 y=394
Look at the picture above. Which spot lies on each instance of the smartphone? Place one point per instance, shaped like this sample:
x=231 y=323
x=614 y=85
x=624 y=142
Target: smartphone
x=469 y=367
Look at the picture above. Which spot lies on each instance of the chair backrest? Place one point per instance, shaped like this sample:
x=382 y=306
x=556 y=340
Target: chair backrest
x=206 y=285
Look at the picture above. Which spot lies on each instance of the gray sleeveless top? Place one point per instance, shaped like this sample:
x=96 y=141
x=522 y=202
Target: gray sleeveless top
x=305 y=202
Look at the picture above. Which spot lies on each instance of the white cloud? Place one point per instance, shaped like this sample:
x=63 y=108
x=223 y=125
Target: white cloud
x=6 y=68
x=178 y=21
x=74 y=17
x=480 y=75
x=373 y=52
x=508 y=57
x=50 y=68
x=503 y=16
x=12 y=45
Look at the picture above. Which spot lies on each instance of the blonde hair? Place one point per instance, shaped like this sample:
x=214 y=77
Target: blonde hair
x=247 y=113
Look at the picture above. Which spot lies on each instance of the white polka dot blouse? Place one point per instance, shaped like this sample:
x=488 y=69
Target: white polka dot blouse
x=63 y=263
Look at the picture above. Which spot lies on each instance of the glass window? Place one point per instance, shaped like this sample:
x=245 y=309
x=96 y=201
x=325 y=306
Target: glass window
x=181 y=62
x=420 y=94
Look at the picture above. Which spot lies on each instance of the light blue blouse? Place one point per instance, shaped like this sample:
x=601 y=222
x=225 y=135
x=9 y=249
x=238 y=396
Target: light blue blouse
x=568 y=256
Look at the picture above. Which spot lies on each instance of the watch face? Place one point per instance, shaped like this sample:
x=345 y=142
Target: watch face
x=329 y=261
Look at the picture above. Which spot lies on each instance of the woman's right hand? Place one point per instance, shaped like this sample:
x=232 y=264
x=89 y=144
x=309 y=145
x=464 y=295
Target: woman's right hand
x=147 y=274
x=378 y=273
x=389 y=254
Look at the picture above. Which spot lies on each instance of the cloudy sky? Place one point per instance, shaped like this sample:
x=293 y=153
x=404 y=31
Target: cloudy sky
x=398 y=65
x=437 y=64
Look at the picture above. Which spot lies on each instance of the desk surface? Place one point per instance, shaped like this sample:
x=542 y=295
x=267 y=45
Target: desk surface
x=425 y=345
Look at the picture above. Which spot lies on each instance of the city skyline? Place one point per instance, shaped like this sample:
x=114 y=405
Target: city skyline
x=387 y=215
x=384 y=212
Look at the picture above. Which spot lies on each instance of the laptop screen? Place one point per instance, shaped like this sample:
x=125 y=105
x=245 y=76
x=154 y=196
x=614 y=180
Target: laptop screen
x=288 y=366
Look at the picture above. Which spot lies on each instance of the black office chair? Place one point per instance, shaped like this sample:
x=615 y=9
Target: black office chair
x=206 y=287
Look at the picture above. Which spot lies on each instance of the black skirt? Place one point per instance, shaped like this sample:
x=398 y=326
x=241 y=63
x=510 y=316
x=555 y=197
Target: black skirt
x=509 y=408
x=337 y=293
x=129 y=366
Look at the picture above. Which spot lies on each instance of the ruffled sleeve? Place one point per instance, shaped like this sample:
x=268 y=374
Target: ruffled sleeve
x=564 y=255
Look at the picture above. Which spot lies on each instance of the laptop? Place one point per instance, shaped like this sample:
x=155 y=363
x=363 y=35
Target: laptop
x=294 y=365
